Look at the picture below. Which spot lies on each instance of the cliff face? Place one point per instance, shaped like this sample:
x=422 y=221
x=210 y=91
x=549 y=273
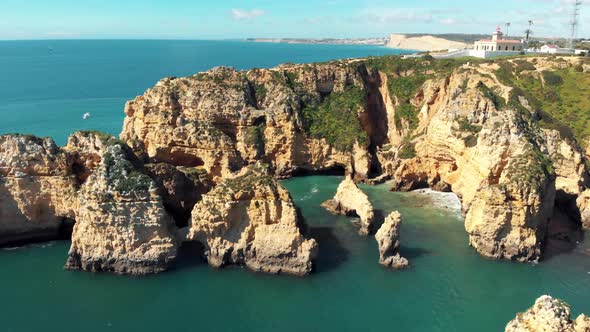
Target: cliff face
x=37 y=189
x=550 y=315
x=121 y=225
x=250 y=219
x=223 y=119
x=479 y=138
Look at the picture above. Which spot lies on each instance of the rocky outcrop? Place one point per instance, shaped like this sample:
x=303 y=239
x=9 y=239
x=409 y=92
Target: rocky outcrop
x=388 y=240
x=121 y=225
x=223 y=119
x=351 y=201
x=250 y=219
x=490 y=155
x=548 y=315
x=37 y=190
x=583 y=203
x=568 y=160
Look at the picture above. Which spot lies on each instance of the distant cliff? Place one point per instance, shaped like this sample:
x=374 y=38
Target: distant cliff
x=423 y=43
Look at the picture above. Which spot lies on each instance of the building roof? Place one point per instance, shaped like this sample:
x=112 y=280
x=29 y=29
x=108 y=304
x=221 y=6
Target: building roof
x=551 y=46
x=508 y=41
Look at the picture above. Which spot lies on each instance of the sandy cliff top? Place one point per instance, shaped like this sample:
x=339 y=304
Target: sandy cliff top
x=424 y=43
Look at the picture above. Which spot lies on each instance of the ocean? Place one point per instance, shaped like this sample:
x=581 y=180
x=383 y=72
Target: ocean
x=47 y=87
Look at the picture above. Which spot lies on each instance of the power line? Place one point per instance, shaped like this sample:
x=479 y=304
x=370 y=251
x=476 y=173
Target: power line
x=575 y=23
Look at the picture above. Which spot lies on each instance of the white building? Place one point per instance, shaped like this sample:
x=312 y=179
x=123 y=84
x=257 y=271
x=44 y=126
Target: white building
x=497 y=46
x=554 y=49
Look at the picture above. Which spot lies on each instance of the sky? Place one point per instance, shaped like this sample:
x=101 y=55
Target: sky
x=233 y=19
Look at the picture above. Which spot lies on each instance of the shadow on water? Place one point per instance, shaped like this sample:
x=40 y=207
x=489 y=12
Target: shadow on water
x=331 y=253
x=412 y=253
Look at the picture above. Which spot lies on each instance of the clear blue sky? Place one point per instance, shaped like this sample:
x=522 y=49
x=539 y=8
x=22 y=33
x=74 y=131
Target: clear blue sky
x=221 y=19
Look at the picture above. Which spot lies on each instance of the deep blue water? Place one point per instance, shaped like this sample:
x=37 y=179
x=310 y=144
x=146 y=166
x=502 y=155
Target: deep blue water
x=47 y=86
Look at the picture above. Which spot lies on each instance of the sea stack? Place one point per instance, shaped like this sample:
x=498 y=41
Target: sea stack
x=548 y=315
x=121 y=225
x=388 y=239
x=250 y=219
x=351 y=201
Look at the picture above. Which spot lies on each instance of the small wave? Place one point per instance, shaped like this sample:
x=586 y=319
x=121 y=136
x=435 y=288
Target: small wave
x=449 y=201
x=35 y=245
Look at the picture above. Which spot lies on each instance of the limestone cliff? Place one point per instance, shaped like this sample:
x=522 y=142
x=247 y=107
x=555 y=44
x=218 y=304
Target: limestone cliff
x=451 y=125
x=351 y=201
x=250 y=219
x=223 y=119
x=37 y=189
x=388 y=240
x=548 y=315
x=121 y=225
x=476 y=136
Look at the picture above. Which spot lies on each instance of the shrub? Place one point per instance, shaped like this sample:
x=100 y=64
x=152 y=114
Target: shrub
x=552 y=78
x=336 y=119
x=498 y=101
x=408 y=151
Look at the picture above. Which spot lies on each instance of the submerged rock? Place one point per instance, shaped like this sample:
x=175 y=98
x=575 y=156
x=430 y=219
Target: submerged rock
x=351 y=201
x=388 y=239
x=250 y=219
x=37 y=189
x=121 y=225
x=548 y=315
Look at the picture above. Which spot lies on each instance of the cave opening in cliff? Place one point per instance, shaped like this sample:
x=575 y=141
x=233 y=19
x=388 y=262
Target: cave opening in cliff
x=564 y=230
x=182 y=159
x=336 y=170
x=190 y=253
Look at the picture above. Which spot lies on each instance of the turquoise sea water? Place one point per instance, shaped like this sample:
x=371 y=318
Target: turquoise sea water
x=45 y=89
x=448 y=288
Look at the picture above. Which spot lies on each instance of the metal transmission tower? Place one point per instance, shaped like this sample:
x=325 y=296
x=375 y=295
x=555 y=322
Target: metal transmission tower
x=575 y=23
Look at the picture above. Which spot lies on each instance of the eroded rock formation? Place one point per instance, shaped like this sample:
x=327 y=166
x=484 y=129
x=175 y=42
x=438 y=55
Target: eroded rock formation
x=491 y=155
x=223 y=119
x=388 y=240
x=121 y=225
x=548 y=315
x=250 y=219
x=37 y=189
x=351 y=201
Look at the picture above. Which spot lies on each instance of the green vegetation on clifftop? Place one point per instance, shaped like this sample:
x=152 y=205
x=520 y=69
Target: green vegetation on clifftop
x=336 y=119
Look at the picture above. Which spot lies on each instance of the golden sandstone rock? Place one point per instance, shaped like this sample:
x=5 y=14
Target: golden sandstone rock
x=548 y=315
x=250 y=219
x=37 y=189
x=121 y=225
x=351 y=201
x=388 y=239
